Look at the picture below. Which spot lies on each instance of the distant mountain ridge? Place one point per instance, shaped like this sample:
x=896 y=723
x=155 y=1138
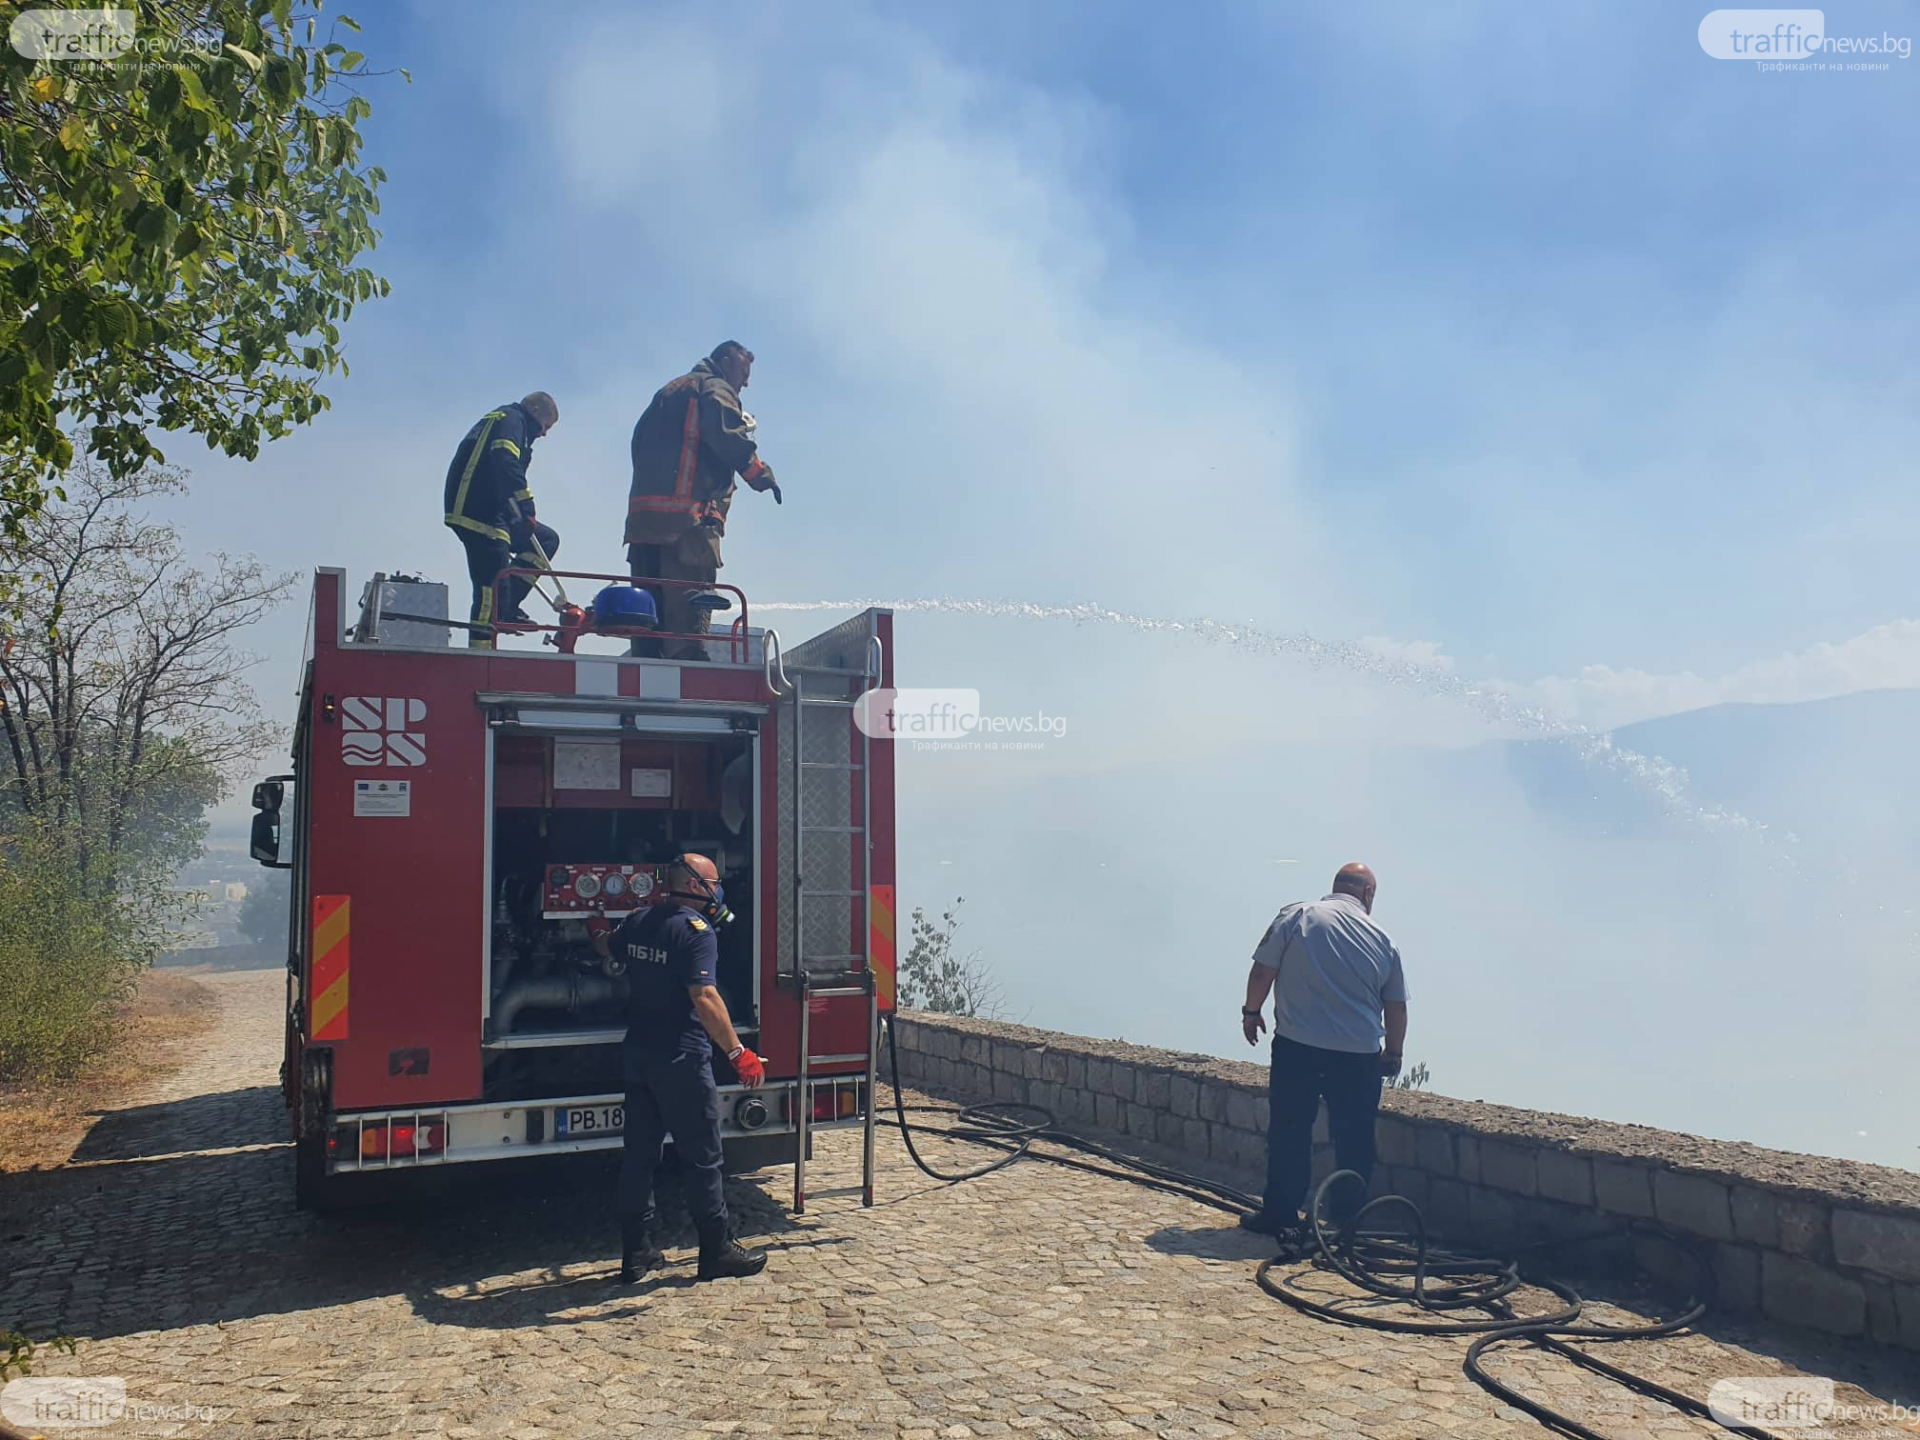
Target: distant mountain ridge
x=1839 y=773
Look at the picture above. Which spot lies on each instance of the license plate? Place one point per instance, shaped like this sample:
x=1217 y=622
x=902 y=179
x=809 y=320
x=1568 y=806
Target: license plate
x=589 y=1120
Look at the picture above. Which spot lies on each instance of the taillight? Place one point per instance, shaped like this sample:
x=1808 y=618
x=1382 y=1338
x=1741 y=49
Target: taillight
x=408 y=1140
x=835 y=1102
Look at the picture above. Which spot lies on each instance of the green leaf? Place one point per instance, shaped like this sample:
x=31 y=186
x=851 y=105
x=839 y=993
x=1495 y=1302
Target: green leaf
x=164 y=95
x=247 y=57
x=152 y=225
x=278 y=80
x=195 y=91
x=73 y=132
x=117 y=322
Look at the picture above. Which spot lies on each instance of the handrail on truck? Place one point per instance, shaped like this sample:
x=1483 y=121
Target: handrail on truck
x=737 y=638
x=774 y=662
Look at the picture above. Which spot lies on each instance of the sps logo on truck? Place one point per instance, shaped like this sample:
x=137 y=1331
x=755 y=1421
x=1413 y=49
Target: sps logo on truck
x=380 y=731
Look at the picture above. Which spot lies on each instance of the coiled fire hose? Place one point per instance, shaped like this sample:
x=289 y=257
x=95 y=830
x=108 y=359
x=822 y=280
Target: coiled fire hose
x=1433 y=1279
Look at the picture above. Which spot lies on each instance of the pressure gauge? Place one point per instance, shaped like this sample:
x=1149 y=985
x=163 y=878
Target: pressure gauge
x=642 y=886
x=587 y=885
x=616 y=886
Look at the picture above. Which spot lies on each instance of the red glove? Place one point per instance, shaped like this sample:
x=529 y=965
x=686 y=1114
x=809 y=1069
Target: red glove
x=597 y=926
x=748 y=1066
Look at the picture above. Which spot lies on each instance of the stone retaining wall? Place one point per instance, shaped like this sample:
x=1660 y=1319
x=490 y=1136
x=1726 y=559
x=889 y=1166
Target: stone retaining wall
x=1829 y=1244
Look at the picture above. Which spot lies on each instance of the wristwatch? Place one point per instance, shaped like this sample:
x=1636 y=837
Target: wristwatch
x=1250 y=1014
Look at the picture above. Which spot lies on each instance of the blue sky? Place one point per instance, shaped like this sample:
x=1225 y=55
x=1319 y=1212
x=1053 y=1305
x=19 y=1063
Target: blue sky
x=1552 y=341
x=1528 y=343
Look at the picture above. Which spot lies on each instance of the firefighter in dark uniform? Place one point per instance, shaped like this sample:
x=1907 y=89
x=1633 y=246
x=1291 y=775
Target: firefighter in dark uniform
x=675 y=1018
x=687 y=448
x=490 y=508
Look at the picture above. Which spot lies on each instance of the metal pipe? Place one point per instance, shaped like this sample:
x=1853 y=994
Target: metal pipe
x=803 y=1112
x=503 y=964
x=552 y=992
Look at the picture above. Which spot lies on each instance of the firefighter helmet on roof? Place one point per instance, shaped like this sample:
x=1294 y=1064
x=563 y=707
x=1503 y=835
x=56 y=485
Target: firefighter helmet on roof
x=625 y=607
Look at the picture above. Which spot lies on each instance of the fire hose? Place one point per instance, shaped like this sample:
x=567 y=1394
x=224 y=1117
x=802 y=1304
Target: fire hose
x=1436 y=1280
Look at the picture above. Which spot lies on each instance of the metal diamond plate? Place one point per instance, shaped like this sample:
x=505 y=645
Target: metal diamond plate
x=842 y=647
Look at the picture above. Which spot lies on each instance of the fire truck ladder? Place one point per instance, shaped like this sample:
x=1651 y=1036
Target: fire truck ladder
x=846 y=972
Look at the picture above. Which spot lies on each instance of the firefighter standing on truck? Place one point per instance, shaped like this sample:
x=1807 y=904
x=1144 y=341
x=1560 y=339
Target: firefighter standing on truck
x=490 y=508
x=687 y=447
x=676 y=1017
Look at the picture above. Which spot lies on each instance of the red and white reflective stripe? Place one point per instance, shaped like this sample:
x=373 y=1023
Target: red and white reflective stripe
x=689 y=450
x=681 y=501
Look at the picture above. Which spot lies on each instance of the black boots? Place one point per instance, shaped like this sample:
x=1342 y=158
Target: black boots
x=638 y=1254
x=721 y=1257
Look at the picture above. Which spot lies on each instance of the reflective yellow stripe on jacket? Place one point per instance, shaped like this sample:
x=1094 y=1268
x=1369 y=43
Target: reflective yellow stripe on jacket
x=457 y=516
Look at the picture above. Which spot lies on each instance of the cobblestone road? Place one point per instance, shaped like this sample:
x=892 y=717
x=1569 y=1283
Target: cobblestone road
x=1038 y=1301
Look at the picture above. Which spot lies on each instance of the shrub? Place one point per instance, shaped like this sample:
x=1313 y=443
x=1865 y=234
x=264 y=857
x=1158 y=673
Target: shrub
x=67 y=957
x=933 y=977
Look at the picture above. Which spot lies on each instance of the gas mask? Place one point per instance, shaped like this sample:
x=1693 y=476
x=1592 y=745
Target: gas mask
x=711 y=896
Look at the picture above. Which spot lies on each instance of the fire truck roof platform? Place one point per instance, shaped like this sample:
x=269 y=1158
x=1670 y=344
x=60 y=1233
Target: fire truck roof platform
x=402 y=612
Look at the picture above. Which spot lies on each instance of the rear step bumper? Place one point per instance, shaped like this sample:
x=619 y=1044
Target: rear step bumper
x=363 y=1141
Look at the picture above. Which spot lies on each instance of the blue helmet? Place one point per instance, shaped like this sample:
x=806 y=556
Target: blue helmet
x=625 y=607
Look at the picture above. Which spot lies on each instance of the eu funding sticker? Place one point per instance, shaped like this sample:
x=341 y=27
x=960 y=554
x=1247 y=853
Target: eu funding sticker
x=383 y=797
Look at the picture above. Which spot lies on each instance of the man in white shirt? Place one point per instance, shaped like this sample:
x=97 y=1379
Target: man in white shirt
x=1339 y=1027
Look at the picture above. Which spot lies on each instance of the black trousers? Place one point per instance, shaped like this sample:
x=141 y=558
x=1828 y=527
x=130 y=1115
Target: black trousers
x=1303 y=1076
x=689 y=560
x=486 y=558
x=672 y=1092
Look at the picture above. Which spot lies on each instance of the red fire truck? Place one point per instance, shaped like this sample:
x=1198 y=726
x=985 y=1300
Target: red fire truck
x=452 y=816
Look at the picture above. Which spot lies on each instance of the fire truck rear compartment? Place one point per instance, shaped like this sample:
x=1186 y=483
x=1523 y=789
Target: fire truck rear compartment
x=581 y=823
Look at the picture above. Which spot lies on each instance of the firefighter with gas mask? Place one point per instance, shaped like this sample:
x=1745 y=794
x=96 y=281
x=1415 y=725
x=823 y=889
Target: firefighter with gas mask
x=675 y=1019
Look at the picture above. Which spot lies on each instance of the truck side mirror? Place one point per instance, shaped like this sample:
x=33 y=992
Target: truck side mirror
x=268 y=795
x=264 y=843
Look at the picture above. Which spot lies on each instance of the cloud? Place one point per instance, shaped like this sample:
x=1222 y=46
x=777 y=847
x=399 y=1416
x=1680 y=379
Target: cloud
x=1604 y=698
x=1423 y=654
x=938 y=274
x=1885 y=657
